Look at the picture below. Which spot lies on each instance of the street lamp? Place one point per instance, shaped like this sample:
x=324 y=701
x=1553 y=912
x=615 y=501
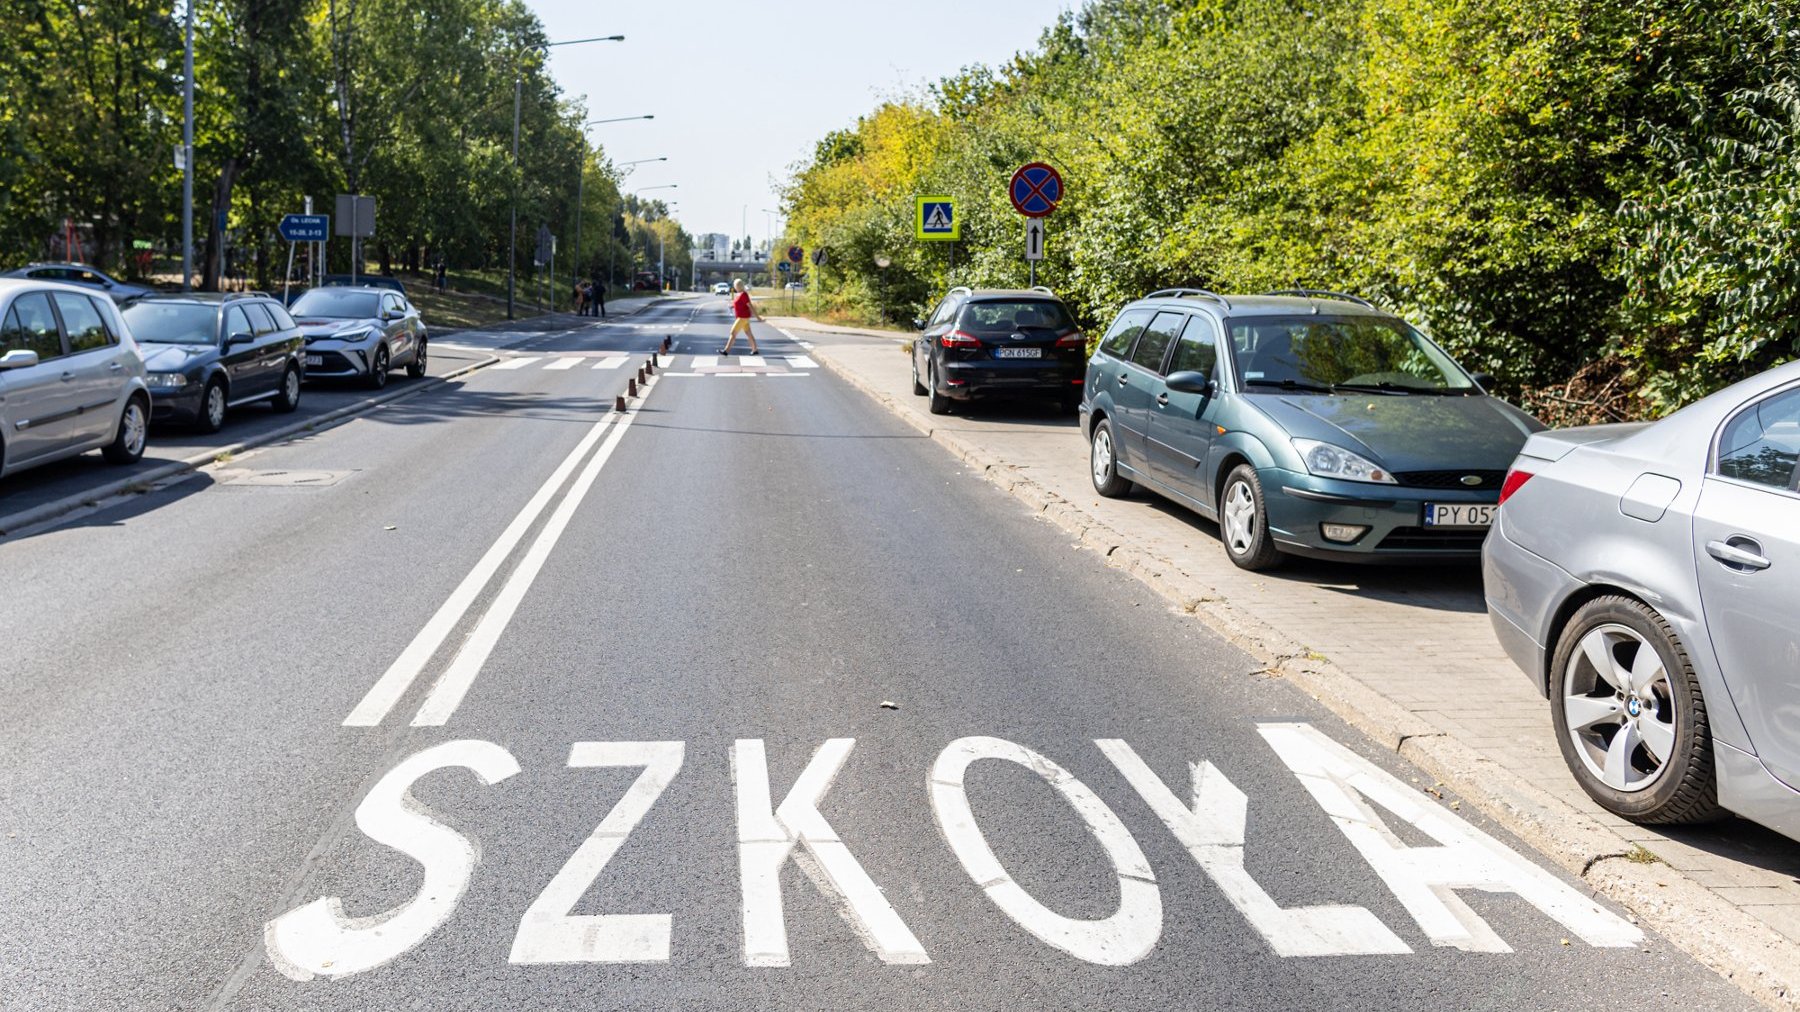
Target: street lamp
x=512 y=245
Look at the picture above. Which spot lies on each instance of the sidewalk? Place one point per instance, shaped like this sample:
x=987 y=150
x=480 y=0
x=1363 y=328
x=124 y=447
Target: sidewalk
x=1405 y=654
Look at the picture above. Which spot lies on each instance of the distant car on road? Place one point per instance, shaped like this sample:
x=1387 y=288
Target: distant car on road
x=208 y=352
x=71 y=377
x=363 y=281
x=794 y=286
x=360 y=333
x=1000 y=341
x=1305 y=422
x=1647 y=578
x=721 y=288
x=84 y=276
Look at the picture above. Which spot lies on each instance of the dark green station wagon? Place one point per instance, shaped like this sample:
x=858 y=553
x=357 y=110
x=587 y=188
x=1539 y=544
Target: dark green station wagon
x=1304 y=422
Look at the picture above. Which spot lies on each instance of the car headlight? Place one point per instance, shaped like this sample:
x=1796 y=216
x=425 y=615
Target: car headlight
x=1328 y=461
x=166 y=380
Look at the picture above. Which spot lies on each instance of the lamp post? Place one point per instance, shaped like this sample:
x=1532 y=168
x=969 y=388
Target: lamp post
x=581 y=182
x=187 y=152
x=512 y=238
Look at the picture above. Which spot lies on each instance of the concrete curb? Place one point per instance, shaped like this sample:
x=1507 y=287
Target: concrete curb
x=36 y=515
x=1760 y=961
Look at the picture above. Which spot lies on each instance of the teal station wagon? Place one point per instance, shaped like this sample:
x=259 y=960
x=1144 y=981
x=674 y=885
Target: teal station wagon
x=1325 y=428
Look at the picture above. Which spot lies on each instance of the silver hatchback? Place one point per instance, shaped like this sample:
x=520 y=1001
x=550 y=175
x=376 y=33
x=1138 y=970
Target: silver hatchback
x=1647 y=578
x=71 y=377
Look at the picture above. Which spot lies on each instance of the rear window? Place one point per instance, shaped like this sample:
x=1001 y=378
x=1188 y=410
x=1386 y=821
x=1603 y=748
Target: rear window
x=82 y=322
x=1005 y=317
x=1125 y=330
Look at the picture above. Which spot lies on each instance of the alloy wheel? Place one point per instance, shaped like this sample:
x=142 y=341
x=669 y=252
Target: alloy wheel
x=135 y=427
x=1619 y=708
x=215 y=405
x=1102 y=456
x=1239 y=515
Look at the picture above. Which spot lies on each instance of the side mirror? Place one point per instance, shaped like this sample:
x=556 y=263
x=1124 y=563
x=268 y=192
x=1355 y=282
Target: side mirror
x=1189 y=381
x=237 y=339
x=918 y=324
x=1482 y=379
x=18 y=358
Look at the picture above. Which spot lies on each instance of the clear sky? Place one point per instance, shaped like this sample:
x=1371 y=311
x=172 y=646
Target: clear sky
x=741 y=91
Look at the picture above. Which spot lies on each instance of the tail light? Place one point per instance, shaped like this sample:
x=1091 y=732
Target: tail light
x=1072 y=339
x=1515 y=480
x=959 y=339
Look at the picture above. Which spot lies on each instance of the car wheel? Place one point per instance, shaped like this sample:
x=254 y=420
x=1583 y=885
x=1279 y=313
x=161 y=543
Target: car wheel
x=127 y=446
x=918 y=388
x=1629 y=715
x=1103 y=462
x=1244 y=521
x=287 y=397
x=416 y=368
x=935 y=402
x=212 y=407
x=378 y=371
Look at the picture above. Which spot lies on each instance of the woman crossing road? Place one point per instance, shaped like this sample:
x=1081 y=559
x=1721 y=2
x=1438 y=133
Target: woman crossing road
x=742 y=310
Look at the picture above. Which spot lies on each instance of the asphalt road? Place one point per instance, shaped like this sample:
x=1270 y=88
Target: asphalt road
x=494 y=699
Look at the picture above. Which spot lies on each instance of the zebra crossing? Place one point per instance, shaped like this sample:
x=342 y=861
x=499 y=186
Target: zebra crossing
x=672 y=365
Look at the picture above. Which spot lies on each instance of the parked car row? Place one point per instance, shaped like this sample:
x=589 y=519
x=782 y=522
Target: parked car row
x=78 y=372
x=1646 y=577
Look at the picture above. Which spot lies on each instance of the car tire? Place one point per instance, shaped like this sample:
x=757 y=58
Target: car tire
x=1103 y=462
x=213 y=407
x=1633 y=784
x=287 y=396
x=1244 y=522
x=918 y=388
x=935 y=402
x=416 y=368
x=378 y=369
x=127 y=446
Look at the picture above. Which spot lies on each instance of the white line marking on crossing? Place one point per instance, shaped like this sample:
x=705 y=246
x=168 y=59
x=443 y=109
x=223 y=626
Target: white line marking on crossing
x=564 y=362
x=400 y=675
x=454 y=683
x=801 y=362
x=706 y=362
x=612 y=362
x=517 y=363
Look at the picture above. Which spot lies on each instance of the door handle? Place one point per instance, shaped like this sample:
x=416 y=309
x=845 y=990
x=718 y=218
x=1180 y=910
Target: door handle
x=1122 y=379
x=66 y=377
x=1742 y=556
x=1162 y=400
x=114 y=367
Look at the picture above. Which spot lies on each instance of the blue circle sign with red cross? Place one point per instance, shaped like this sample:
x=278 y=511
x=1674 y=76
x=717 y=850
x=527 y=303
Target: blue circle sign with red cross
x=1036 y=189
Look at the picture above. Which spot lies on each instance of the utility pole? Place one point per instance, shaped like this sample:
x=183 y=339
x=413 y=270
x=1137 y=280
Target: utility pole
x=187 y=152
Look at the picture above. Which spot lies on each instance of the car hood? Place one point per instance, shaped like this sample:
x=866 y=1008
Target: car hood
x=1410 y=432
x=314 y=329
x=175 y=357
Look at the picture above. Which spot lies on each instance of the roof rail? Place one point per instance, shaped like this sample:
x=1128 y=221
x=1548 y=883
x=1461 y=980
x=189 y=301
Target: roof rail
x=1196 y=292
x=965 y=289
x=246 y=294
x=1320 y=293
x=1041 y=288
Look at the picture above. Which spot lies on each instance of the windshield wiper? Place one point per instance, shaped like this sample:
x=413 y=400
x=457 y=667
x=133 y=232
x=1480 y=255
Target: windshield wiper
x=1384 y=387
x=1288 y=384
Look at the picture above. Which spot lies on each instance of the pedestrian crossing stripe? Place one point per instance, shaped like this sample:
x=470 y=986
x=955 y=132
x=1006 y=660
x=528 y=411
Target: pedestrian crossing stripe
x=517 y=363
x=698 y=365
x=564 y=362
x=613 y=362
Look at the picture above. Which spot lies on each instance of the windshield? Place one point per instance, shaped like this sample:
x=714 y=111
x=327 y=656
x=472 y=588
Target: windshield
x=172 y=322
x=342 y=305
x=1324 y=353
x=1006 y=317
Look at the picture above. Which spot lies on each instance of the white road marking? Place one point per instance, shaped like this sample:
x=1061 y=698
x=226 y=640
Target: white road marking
x=766 y=839
x=801 y=362
x=400 y=675
x=1212 y=830
x=319 y=940
x=563 y=362
x=454 y=683
x=1122 y=938
x=516 y=363
x=705 y=362
x=547 y=932
x=610 y=362
x=1423 y=879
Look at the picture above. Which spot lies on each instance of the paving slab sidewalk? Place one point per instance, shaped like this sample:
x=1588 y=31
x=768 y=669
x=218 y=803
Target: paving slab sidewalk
x=1404 y=653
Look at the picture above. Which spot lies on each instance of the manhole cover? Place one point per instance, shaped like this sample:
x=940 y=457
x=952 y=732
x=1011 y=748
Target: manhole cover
x=289 y=479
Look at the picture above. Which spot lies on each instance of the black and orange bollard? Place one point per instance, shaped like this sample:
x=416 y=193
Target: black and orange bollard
x=650 y=366
x=619 y=403
x=666 y=344
x=630 y=387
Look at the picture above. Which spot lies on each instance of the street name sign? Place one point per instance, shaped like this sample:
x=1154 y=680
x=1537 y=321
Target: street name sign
x=305 y=227
x=1035 y=189
x=1034 y=238
x=935 y=218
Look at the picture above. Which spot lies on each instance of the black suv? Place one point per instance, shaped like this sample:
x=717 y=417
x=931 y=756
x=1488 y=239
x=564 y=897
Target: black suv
x=999 y=342
x=206 y=352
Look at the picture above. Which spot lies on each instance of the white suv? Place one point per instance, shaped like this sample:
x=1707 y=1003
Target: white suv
x=71 y=377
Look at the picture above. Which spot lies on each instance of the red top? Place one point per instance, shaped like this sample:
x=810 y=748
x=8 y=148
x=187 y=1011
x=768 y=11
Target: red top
x=740 y=305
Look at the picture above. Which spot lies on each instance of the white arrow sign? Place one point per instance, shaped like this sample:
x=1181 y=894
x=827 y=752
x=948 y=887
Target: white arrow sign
x=1034 y=238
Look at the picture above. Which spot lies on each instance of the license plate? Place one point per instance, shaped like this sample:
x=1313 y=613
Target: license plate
x=315 y=360
x=1459 y=514
x=1018 y=353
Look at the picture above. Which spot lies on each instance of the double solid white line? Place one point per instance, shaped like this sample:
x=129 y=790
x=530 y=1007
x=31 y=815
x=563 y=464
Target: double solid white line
x=448 y=692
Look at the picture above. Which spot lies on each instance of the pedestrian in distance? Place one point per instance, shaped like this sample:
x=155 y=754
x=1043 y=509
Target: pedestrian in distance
x=742 y=309
x=599 y=299
x=581 y=298
x=443 y=281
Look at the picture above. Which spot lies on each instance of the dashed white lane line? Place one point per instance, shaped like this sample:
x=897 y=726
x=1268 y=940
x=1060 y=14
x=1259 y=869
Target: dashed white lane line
x=564 y=362
x=516 y=363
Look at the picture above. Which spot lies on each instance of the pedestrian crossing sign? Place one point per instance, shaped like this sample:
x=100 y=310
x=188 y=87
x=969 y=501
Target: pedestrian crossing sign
x=935 y=218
